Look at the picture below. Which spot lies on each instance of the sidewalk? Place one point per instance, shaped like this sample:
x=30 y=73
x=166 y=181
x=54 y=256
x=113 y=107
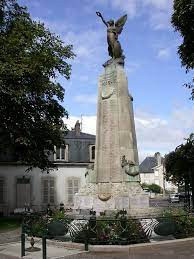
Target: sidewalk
x=13 y=251
x=175 y=249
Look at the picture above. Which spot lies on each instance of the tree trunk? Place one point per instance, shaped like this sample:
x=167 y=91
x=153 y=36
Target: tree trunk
x=192 y=187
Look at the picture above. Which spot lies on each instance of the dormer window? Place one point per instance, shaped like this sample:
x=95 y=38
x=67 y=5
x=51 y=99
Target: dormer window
x=61 y=153
x=92 y=153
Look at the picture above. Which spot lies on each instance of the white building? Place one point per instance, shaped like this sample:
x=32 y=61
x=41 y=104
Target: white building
x=152 y=170
x=36 y=189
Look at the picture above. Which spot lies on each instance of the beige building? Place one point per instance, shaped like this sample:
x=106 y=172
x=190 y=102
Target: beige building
x=152 y=170
x=35 y=189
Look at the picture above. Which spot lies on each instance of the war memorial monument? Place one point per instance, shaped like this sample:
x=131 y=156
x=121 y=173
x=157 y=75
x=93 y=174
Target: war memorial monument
x=114 y=181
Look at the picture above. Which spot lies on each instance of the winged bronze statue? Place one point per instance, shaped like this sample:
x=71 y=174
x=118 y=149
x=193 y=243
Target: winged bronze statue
x=113 y=31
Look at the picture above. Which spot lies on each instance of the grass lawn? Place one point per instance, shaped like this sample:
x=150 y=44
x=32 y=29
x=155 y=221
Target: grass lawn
x=8 y=224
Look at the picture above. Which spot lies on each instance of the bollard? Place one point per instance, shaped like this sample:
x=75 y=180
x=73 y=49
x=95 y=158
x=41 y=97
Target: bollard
x=86 y=236
x=44 y=247
x=22 y=244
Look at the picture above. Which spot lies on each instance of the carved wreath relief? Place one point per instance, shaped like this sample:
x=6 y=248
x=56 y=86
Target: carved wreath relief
x=108 y=85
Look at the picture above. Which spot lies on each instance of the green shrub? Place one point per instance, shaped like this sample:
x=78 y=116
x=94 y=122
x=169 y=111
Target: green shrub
x=183 y=220
x=38 y=225
x=118 y=231
x=152 y=187
x=155 y=188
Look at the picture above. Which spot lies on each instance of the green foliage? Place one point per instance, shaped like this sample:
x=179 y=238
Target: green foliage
x=183 y=220
x=155 y=188
x=56 y=225
x=104 y=230
x=145 y=186
x=36 y=226
x=183 y=21
x=179 y=163
x=122 y=231
x=59 y=223
x=152 y=187
x=31 y=58
x=7 y=224
x=165 y=227
x=59 y=215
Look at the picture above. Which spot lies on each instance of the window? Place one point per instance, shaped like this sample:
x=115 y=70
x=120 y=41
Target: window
x=2 y=190
x=156 y=172
x=92 y=153
x=48 y=190
x=62 y=153
x=72 y=188
x=23 y=191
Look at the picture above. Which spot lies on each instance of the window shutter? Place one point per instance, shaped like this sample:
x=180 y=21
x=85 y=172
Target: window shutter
x=72 y=188
x=45 y=190
x=2 y=182
x=76 y=186
x=93 y=152
x=52 y=190
x=58 y=153
x=63 y=152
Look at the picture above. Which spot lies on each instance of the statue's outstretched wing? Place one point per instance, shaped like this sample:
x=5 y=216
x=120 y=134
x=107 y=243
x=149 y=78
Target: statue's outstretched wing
x=120 y=23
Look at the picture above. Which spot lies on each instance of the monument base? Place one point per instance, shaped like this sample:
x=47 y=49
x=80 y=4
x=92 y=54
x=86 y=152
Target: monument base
x=126 y=195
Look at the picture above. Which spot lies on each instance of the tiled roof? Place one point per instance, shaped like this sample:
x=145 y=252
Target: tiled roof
x=147 y=165
x=72 y=135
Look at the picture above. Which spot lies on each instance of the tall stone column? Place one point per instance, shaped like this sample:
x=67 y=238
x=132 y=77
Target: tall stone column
x=115 y=131
x=114 y=183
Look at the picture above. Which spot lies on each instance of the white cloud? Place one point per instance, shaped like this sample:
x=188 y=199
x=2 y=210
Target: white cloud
x=164 y=53
x=160 y=20
x=84 y=78
x=159 y=4
x=153 y=132
x=157 y=11
x=85 y=98
x=88 y=45
x=131 y=67
x=88 y=123
x=129 y=6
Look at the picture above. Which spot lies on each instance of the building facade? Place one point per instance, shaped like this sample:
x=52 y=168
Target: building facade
x=152 y=170
x=35 y=189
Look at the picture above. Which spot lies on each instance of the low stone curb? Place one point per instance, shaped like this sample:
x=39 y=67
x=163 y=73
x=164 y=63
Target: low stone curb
x=124 y=248
x=109 y=248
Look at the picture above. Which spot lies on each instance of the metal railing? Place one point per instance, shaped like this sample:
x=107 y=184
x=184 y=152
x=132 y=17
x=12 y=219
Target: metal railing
x=120 y=230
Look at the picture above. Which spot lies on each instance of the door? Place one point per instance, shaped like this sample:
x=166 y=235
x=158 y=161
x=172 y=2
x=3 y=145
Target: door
x=23 y=192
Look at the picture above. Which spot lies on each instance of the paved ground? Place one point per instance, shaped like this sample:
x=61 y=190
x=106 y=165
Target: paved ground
x=10 y=236
x=177 y=250
x=173 y=250
x=13 y=250
x=164 y=203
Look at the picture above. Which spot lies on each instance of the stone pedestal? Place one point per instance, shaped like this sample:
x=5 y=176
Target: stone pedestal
x=128 y=196
x=114 y=183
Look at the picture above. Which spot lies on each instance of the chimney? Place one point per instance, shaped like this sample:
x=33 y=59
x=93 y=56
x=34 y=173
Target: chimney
x=158 y=158
x=77 y=128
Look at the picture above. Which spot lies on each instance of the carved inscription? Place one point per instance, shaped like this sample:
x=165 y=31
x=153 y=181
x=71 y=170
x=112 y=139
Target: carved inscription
x=108 y=85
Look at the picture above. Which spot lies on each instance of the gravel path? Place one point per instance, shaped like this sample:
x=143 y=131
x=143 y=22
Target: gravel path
x=10 y=236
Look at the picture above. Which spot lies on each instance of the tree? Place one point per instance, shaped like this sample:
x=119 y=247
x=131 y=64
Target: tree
x=155 y=188
x=31 y=58
x=179 y=164
x=183 y=21
x=152 y=187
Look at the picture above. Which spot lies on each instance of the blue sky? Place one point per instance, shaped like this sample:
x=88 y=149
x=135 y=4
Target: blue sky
x=164 y=115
